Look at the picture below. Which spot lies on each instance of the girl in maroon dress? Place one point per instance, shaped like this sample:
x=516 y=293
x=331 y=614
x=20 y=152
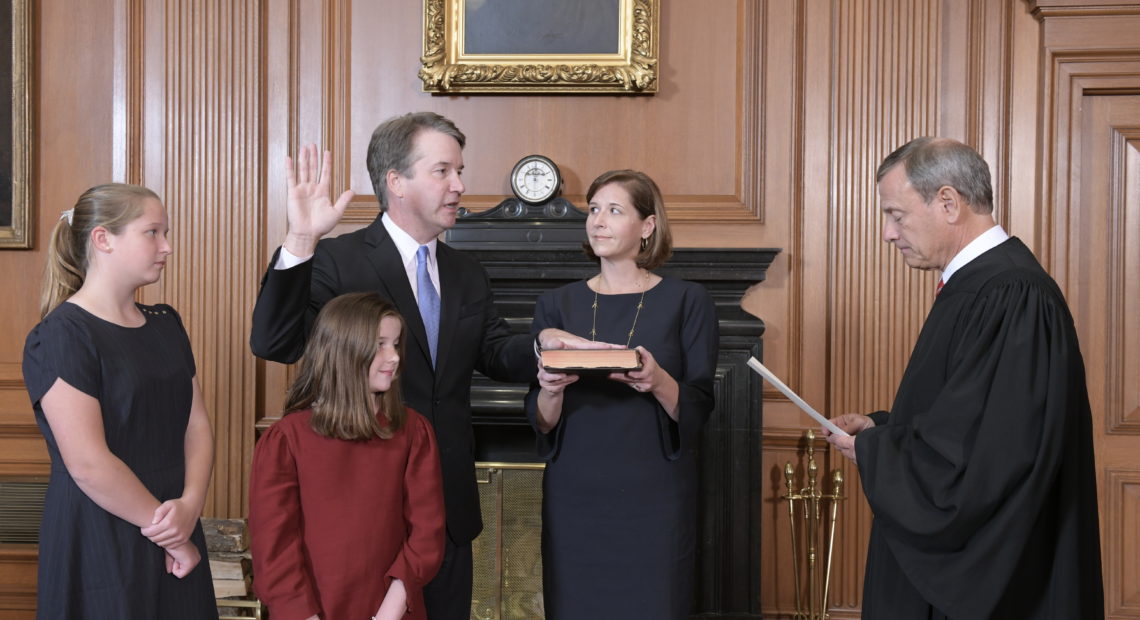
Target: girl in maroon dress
x=346 y=500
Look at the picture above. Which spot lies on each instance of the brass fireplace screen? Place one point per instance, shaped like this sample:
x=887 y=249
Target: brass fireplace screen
x=508 y=554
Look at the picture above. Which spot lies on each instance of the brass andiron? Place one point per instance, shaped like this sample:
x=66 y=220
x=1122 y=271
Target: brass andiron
x=812 y=603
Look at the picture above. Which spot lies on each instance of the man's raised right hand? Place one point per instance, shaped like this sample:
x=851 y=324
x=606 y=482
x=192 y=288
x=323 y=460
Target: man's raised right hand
x=310 y=213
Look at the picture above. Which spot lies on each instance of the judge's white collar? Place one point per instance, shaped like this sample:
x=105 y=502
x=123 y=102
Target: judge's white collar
x=980 y=245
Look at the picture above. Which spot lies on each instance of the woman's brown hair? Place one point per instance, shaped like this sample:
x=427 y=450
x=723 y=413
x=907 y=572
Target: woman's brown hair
x=333 y=377
x=112 y=206
x=647 y=200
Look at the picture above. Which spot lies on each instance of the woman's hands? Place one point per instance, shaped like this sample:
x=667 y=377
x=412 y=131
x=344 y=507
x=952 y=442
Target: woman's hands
x=645 y=379
x=553 y=384
x=182 y=559
x=652 y=379
x=173 y=522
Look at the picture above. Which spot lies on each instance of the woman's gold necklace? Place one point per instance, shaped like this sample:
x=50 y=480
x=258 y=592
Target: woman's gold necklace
x=640 y=303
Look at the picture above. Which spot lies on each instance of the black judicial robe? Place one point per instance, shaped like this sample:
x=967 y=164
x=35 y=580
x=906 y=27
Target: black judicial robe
x=981 y=477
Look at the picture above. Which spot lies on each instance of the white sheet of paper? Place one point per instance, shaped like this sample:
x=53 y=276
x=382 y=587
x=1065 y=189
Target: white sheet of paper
x=754 y=364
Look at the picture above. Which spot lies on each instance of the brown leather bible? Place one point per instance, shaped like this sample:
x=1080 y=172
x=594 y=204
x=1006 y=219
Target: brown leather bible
x=578 y=360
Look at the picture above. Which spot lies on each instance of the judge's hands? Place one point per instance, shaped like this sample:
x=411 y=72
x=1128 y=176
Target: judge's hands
x=173 y=522
x=310 y=213
x=853 y=423
x=182 y=559
x=551 y=338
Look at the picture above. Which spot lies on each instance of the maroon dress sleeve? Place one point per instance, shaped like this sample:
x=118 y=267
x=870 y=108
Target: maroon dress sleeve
x=422 y=552
x=282 y=576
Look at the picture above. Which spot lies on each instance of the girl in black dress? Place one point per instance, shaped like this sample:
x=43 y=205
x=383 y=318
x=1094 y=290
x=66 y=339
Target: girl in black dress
x=114 y=390
x=620 y=488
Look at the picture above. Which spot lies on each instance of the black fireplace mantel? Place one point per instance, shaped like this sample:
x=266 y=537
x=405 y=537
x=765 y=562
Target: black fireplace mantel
x=528 y=249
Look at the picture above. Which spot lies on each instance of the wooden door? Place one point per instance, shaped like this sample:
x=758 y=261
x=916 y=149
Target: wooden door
x=1102 y=265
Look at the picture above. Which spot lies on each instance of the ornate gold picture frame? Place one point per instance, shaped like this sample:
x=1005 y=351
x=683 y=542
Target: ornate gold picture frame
x=16 y=214
x=489 y=46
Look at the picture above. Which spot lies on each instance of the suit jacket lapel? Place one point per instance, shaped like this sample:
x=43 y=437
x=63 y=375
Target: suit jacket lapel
x=389 y=266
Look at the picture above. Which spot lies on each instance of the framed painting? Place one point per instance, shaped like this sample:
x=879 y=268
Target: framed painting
x=15 y=126
x=523 y=46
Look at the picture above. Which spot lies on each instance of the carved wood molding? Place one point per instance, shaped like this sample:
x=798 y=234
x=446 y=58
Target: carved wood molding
x=337 y=95
x=11 y=376
x=127 y=124
x=1087 y=8
x=202 y=118
x=888 y=86
x=18 y=574
x=1074 y=75
x=1122 y=418
x=1071 y=76
x=1075 y=66
x=989 y=76
x=754 y=72
x=1122 y=511
x=879 y=303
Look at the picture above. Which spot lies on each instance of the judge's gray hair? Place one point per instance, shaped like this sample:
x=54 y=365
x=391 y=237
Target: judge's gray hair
x=931 y=163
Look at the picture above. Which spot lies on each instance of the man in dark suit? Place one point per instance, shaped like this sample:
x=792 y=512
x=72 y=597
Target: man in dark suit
x=415 y=162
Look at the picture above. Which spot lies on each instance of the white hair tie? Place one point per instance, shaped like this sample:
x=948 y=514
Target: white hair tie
x=66 y=215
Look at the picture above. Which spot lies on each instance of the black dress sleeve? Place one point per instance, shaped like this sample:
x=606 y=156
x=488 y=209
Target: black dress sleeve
x=186 y=350
x=700 y=340
x=60 y=347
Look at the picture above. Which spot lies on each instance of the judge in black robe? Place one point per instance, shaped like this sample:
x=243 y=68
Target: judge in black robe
x=981 y=477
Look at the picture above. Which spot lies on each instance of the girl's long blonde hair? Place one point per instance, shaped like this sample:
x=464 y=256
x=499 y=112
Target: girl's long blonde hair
x=333 y=377
x=112 y=206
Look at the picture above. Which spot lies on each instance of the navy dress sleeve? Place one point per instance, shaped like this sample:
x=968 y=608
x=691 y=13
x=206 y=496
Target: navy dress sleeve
x=700 y=339
x=60 y=348
x=186 y=351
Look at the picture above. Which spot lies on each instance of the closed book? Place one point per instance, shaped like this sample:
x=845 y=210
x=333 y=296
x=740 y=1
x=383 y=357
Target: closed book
x=578 y=360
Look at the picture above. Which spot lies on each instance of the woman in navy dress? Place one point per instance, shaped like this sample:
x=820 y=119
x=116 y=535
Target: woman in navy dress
x=114 y=390
x=620 y=488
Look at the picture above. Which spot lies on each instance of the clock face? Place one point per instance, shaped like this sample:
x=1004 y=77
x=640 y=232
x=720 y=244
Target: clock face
x=535 y=179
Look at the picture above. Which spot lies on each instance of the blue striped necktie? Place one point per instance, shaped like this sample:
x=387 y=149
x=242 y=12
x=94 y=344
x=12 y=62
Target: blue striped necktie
x=428 y=301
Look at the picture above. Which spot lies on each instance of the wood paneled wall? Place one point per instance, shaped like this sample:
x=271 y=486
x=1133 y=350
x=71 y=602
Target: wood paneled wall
x=201 y=120
x=769 y=122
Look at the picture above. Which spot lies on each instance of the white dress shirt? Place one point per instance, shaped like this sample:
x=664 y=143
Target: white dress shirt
x=980 y=245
